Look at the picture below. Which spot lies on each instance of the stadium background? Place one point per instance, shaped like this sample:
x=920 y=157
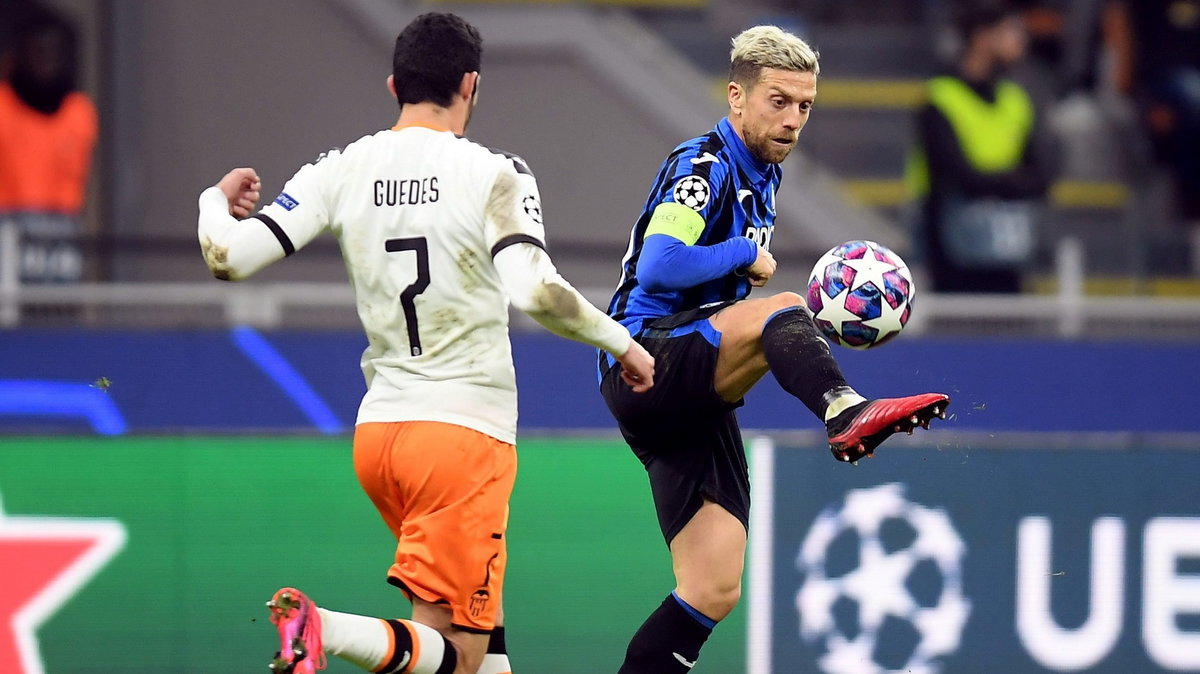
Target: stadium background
x=223 y=432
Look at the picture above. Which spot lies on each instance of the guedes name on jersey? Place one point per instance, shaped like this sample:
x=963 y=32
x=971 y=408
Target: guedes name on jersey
x=410 y=192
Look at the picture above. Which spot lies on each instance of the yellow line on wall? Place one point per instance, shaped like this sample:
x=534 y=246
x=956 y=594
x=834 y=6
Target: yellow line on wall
x=891 y=192
x=854 y=93
x=1104 y=286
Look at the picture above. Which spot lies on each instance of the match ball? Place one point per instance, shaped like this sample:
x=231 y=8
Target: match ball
x=860 y=294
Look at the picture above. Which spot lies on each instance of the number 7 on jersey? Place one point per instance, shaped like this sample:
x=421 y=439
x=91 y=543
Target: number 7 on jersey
x=420 y=247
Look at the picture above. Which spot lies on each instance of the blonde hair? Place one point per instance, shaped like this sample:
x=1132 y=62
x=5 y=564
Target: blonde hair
x=769 y=47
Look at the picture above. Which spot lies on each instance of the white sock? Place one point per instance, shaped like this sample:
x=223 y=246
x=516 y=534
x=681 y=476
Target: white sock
x=432 y=649
x=495 y=663
x=842 y=403
x=369 y=643
x=357 y=639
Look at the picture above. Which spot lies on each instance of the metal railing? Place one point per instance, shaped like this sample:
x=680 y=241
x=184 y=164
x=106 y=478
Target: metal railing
x=1068 y=313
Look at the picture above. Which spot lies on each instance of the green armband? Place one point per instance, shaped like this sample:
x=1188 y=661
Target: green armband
x=676 y=220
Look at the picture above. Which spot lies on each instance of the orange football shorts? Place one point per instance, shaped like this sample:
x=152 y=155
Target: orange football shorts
x=443 y=491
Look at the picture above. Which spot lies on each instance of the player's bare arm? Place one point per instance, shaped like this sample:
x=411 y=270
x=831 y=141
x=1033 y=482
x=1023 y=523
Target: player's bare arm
x=638 y=367
x=762 y=269
x=241 y=187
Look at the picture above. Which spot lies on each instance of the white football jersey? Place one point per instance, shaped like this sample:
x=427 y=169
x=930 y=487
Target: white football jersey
x=419 y=214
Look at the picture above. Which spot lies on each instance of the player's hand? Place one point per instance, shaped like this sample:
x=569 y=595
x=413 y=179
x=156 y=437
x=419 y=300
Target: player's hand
x=762 y=269
x=637 y=367
x=241 y=186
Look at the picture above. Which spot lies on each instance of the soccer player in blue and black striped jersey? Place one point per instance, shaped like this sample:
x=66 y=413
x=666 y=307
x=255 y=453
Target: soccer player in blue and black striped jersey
x=699 y=248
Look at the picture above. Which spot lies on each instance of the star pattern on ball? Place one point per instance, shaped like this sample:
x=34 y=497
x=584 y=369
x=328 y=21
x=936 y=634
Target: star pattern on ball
x=889 y=318
x=835 y=312
x=868 y=270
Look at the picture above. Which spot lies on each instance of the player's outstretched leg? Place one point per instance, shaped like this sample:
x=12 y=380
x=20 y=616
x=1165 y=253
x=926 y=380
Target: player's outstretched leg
x=307 y=633
x=777 y=334
x=858 y=430
x=802 y=362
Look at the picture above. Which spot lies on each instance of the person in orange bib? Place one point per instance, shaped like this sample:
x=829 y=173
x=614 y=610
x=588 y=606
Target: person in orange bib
x=48 y=129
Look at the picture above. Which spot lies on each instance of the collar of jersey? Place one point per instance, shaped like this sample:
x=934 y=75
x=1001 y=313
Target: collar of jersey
x=756 y=170
x=432 y=127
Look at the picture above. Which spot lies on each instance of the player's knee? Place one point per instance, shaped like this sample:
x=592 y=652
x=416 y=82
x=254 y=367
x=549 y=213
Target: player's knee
x=468 y=652
x=717 y=600
x=724 y=601
x=787 y=299
x=468 y=662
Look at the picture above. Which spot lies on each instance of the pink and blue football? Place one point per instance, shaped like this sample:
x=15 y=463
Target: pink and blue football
x=860 y=294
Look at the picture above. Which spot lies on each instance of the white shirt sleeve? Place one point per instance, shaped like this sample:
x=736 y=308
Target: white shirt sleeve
x=535 y=287
x=513 y=211
x=515 y=233
x=236 y=249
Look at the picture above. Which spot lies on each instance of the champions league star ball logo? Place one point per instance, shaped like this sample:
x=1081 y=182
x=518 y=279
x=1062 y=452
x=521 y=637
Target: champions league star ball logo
x=533 y=208
x=882 y=590
x=692 y=191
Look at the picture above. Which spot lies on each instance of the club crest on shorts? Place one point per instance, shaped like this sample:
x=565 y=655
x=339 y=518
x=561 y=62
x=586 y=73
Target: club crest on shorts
x=479 y=602
x=692 y=191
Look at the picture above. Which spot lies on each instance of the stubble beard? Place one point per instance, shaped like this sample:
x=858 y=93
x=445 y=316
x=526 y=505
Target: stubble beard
x=767 y=150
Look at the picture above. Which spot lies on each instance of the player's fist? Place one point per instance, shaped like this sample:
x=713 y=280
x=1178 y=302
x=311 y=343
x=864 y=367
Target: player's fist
x=241 y=186
x=762 y=269
x=637 y=367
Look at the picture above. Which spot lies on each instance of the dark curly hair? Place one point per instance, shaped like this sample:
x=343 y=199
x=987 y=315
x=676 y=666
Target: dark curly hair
x=432 y=54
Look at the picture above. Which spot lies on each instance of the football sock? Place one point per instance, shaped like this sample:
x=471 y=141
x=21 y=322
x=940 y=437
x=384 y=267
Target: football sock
x=418 y=649
x=357 y=639
x=387 y=646
x=669 y=641
x=839 y=400
x=803 y=365
x=496 y=660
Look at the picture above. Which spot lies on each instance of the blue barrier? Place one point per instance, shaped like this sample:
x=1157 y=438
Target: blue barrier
x=61 y=402
x=290 y=382
x=217 y=380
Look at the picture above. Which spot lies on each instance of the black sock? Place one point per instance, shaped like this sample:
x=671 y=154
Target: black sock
x=800 y=359
x=496 y=645
x=668 y=642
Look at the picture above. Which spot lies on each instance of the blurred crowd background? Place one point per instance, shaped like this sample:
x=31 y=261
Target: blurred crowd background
x=1083 y=177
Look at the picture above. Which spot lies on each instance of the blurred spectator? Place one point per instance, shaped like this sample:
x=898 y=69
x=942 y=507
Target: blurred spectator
x=47 y=132
x=1163 y=77
x=982 y=165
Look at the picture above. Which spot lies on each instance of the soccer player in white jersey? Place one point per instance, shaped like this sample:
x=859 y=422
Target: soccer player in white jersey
x=438 y=234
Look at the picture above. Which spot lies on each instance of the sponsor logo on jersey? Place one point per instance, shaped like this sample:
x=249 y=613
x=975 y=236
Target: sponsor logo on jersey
x=761 y=235
x=704 y=158
x=287 y=201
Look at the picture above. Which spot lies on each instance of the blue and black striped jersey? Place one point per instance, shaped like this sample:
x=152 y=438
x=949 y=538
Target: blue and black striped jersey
x=733 y=192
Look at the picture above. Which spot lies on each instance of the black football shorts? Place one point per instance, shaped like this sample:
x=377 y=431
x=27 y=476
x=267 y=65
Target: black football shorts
x=686 y=436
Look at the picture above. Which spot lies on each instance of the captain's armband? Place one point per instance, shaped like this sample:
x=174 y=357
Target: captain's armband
x=676 y=220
